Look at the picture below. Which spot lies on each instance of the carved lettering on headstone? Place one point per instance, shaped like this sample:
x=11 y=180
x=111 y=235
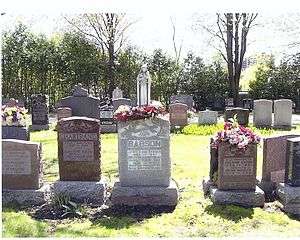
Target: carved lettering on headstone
x=238 y=166
x=16 y=162
x=78 y=151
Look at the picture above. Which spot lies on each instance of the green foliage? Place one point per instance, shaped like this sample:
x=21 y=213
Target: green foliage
x=203 y=130
x=273 y=82
x=19 y=224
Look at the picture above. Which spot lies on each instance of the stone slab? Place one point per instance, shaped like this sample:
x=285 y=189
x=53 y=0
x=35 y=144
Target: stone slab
x=27 y=197
x=82 y=191
x=145 y=195
x=289 y=197
x=242 y=198
x=108 y=128
x=39 y=127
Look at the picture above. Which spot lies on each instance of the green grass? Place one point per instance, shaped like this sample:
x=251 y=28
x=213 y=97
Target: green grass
x=194 y=216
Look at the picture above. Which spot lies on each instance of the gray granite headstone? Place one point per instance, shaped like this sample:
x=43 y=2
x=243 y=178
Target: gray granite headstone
x=117 y=93
x=81 y=103
x=207 y=117
x=262 y=113
x=241 y=113
x=39 y=109
x=15 y=132
x=283 y=113
x=144 y=152
x=185 y=99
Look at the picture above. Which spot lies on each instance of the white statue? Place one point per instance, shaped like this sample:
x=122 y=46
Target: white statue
x=143 y=86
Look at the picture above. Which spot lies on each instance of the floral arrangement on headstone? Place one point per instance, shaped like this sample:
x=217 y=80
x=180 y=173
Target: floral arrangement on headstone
x=235 y=135
x=14 y=116
x=126 y=113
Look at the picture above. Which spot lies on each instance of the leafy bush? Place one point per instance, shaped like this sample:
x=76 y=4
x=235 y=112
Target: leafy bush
x=204 y=130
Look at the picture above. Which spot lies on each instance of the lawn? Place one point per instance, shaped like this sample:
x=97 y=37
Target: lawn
x=193 y=216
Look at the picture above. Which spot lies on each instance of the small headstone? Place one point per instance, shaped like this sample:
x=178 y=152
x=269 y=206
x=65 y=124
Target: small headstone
x=236 y=167
x=185 y=99
x=64 y=112
x=81 y=103
x=79 y=149
x=241 y=113
x=144 y=154
x=208 y=117
x=262 y=113
x=21 y=165
x=39 y=112
x=292 y=175
x=121 y=101
x=283 y=113
x=117 y=93
x=178 y=114
x=143 y=86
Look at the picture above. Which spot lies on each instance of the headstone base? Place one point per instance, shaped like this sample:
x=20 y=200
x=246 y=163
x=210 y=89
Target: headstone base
x=82 y=191
x=145 y=195
x=26 y=197
x=39 y=127
x=108 y=128
x=290 y=198
x=242 y=198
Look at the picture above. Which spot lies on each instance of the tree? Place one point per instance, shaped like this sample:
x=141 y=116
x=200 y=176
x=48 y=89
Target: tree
x=232 y=30
x=107 y=31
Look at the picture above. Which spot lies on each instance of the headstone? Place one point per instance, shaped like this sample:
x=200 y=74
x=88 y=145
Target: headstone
x=262 y=113
x=81 y=103
x=178 y=114
x=274 y=162
x=15 y=132
x=107 y=122
x=289 y=196
x=79 y=149
x=143 y=86
x=274 y=158
x=144 y=164
x=184 y=99
x=39 y=112
x=283 y=113
x=121 y=101
x=241 y=113
x=236 y=167
x=292 y=172
x=64 y=112
x=207 y=117
x=117 y=93
x=21 y=165
x=144 y=154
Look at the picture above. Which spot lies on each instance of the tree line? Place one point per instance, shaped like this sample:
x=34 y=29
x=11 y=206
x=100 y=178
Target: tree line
x=34 y=64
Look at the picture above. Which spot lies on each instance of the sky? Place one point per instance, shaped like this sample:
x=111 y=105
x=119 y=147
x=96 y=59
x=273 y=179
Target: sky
x=274 y=31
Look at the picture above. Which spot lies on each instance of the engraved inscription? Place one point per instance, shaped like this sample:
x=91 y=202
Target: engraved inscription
x=39 y=116
x=16 y=162
x=144 y=155
x=78 y=151
x=78 y=136
x=239 y=166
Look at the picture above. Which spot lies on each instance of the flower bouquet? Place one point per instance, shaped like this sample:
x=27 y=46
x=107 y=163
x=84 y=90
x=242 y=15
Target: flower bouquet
x=13 y=116
x=235 y=135
x=126 y=113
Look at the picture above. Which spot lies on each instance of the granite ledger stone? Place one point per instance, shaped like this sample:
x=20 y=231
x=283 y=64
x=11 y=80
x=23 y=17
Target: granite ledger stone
x=79 y=149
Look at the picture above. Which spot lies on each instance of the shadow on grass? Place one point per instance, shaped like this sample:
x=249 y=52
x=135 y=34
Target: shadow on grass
x=117 y=217
x=229 y=212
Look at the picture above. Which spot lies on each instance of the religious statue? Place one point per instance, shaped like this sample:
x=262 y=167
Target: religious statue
x=143 y=86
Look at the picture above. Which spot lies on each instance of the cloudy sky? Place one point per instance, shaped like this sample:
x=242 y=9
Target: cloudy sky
x=274 y=31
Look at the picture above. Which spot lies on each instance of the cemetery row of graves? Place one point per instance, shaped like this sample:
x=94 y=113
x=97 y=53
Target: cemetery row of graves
x=144 y=163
